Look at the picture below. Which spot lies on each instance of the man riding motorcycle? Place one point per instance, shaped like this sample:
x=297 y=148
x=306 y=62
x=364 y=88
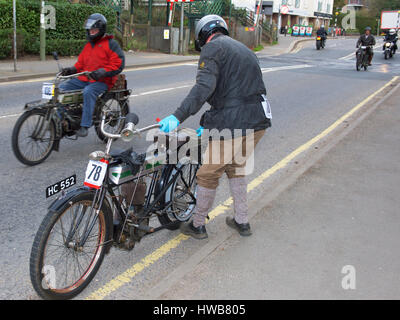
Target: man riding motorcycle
x=391 y=36
x=321 y=32
x=103 y=57
x=229 y=78
x=368 y=40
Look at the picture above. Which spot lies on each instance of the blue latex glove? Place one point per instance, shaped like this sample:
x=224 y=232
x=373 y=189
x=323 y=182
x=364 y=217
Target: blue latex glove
x=200 y=131
x=169 y=123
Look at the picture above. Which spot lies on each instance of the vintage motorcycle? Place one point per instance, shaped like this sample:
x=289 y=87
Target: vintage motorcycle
x=362 y=58
x=45 y=122
x=122 y=192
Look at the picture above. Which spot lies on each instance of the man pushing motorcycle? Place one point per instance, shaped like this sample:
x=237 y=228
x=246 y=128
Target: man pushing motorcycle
x=103 y=57
x=229 y=78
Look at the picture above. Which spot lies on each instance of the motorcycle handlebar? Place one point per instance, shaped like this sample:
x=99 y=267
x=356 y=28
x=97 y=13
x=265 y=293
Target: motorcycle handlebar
x=129 y=131
x=84 y=73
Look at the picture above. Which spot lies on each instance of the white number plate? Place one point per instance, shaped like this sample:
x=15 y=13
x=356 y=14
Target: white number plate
x=47 y=90
x=95 y=173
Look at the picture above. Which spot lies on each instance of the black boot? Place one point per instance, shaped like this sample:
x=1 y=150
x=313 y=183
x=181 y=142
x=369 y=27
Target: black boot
x=242 y=228
x=82 y=132
x=189 y=229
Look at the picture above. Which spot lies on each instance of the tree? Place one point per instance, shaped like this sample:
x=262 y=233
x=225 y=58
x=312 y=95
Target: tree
x=377 y=6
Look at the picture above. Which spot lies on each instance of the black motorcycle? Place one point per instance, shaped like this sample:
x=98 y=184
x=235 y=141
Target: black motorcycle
x=362 y=58
x=45 y=122
x=122 y=192
x=320 y=42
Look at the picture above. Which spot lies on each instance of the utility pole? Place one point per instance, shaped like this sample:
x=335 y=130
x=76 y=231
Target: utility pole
x=42 y=34
x=149 y=18
x=15 y=34
x=181 y=29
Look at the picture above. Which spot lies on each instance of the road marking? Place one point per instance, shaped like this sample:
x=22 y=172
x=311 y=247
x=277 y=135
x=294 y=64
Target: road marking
x=156 y=255
x=159 y=91
x=299 y=66
x=10 y=115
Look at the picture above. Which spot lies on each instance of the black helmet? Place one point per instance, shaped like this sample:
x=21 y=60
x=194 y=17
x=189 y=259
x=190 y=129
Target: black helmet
x=95 y=20
x=206 y=26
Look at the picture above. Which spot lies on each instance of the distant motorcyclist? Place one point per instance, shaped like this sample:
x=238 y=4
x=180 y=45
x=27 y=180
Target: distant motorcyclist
x=104 y=58
x=368 y=40
x=321 y=32
x=391 y=36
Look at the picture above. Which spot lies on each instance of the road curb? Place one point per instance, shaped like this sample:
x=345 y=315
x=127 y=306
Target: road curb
x=278 y=183
x=31 y=76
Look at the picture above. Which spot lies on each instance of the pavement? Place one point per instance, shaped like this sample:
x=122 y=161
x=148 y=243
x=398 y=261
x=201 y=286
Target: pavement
x=31 y=67
x=333 y=234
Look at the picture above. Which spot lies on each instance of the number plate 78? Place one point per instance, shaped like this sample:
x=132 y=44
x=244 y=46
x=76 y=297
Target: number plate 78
x=95 y=173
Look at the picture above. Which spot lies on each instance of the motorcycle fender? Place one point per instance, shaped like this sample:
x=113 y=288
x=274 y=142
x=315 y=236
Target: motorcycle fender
x=63 y=202
x=37 y=104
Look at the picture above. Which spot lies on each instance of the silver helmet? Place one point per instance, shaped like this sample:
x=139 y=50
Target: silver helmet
x=206 y=26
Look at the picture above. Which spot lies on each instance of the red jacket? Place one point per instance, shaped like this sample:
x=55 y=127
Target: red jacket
x=106 y=54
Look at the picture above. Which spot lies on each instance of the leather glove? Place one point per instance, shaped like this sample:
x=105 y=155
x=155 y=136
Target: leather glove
x=169 y=123
x=200 y=131
x=68 y=71
x=98 y=74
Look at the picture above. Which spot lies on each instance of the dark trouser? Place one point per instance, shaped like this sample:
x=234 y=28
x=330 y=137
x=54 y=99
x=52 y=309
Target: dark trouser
x=370 y=53
x=91 y=90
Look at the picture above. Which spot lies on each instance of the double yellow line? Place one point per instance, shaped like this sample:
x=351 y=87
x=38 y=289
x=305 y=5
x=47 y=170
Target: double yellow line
x=156 y=255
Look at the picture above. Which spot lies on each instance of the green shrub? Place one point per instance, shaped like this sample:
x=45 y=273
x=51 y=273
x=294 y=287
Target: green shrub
x=7 y=42
x=69 y=36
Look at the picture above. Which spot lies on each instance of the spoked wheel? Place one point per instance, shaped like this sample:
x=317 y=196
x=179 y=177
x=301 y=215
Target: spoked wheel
x=115 y=111
x=181 y=196
x=62 y=262
x=33 y=137
x=359 y=61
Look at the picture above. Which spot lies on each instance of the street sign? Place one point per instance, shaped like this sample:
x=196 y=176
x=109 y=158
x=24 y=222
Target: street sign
x=284 y=10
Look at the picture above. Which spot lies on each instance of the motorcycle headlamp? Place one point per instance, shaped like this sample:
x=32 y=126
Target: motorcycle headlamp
x=387 y=44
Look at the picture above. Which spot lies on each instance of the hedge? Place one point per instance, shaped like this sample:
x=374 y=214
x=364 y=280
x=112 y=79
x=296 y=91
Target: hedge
x=68 y=37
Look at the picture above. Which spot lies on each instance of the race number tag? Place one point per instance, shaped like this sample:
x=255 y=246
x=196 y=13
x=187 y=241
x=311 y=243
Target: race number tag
x=266 y=107
x=95 y=173
x=47 y=90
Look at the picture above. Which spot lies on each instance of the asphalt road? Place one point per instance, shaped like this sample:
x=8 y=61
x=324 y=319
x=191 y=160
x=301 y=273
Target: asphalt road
x=308 y=90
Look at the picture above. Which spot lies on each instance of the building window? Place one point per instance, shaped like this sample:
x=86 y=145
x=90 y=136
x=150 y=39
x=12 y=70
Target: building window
x=319 y=6
x=284 y=2
x=297 y=4
x=328 y=8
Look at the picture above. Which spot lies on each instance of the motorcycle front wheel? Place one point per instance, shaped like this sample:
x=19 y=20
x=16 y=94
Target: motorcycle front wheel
x=61 y=265
x=33 y=137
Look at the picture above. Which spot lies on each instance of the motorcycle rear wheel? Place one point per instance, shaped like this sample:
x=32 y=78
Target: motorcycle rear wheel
x=31 y=142
x=114 y=124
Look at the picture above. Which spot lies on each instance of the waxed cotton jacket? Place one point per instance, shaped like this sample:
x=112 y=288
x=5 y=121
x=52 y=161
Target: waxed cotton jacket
x=103 y=54
x=229 y=78
x=366 y=41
